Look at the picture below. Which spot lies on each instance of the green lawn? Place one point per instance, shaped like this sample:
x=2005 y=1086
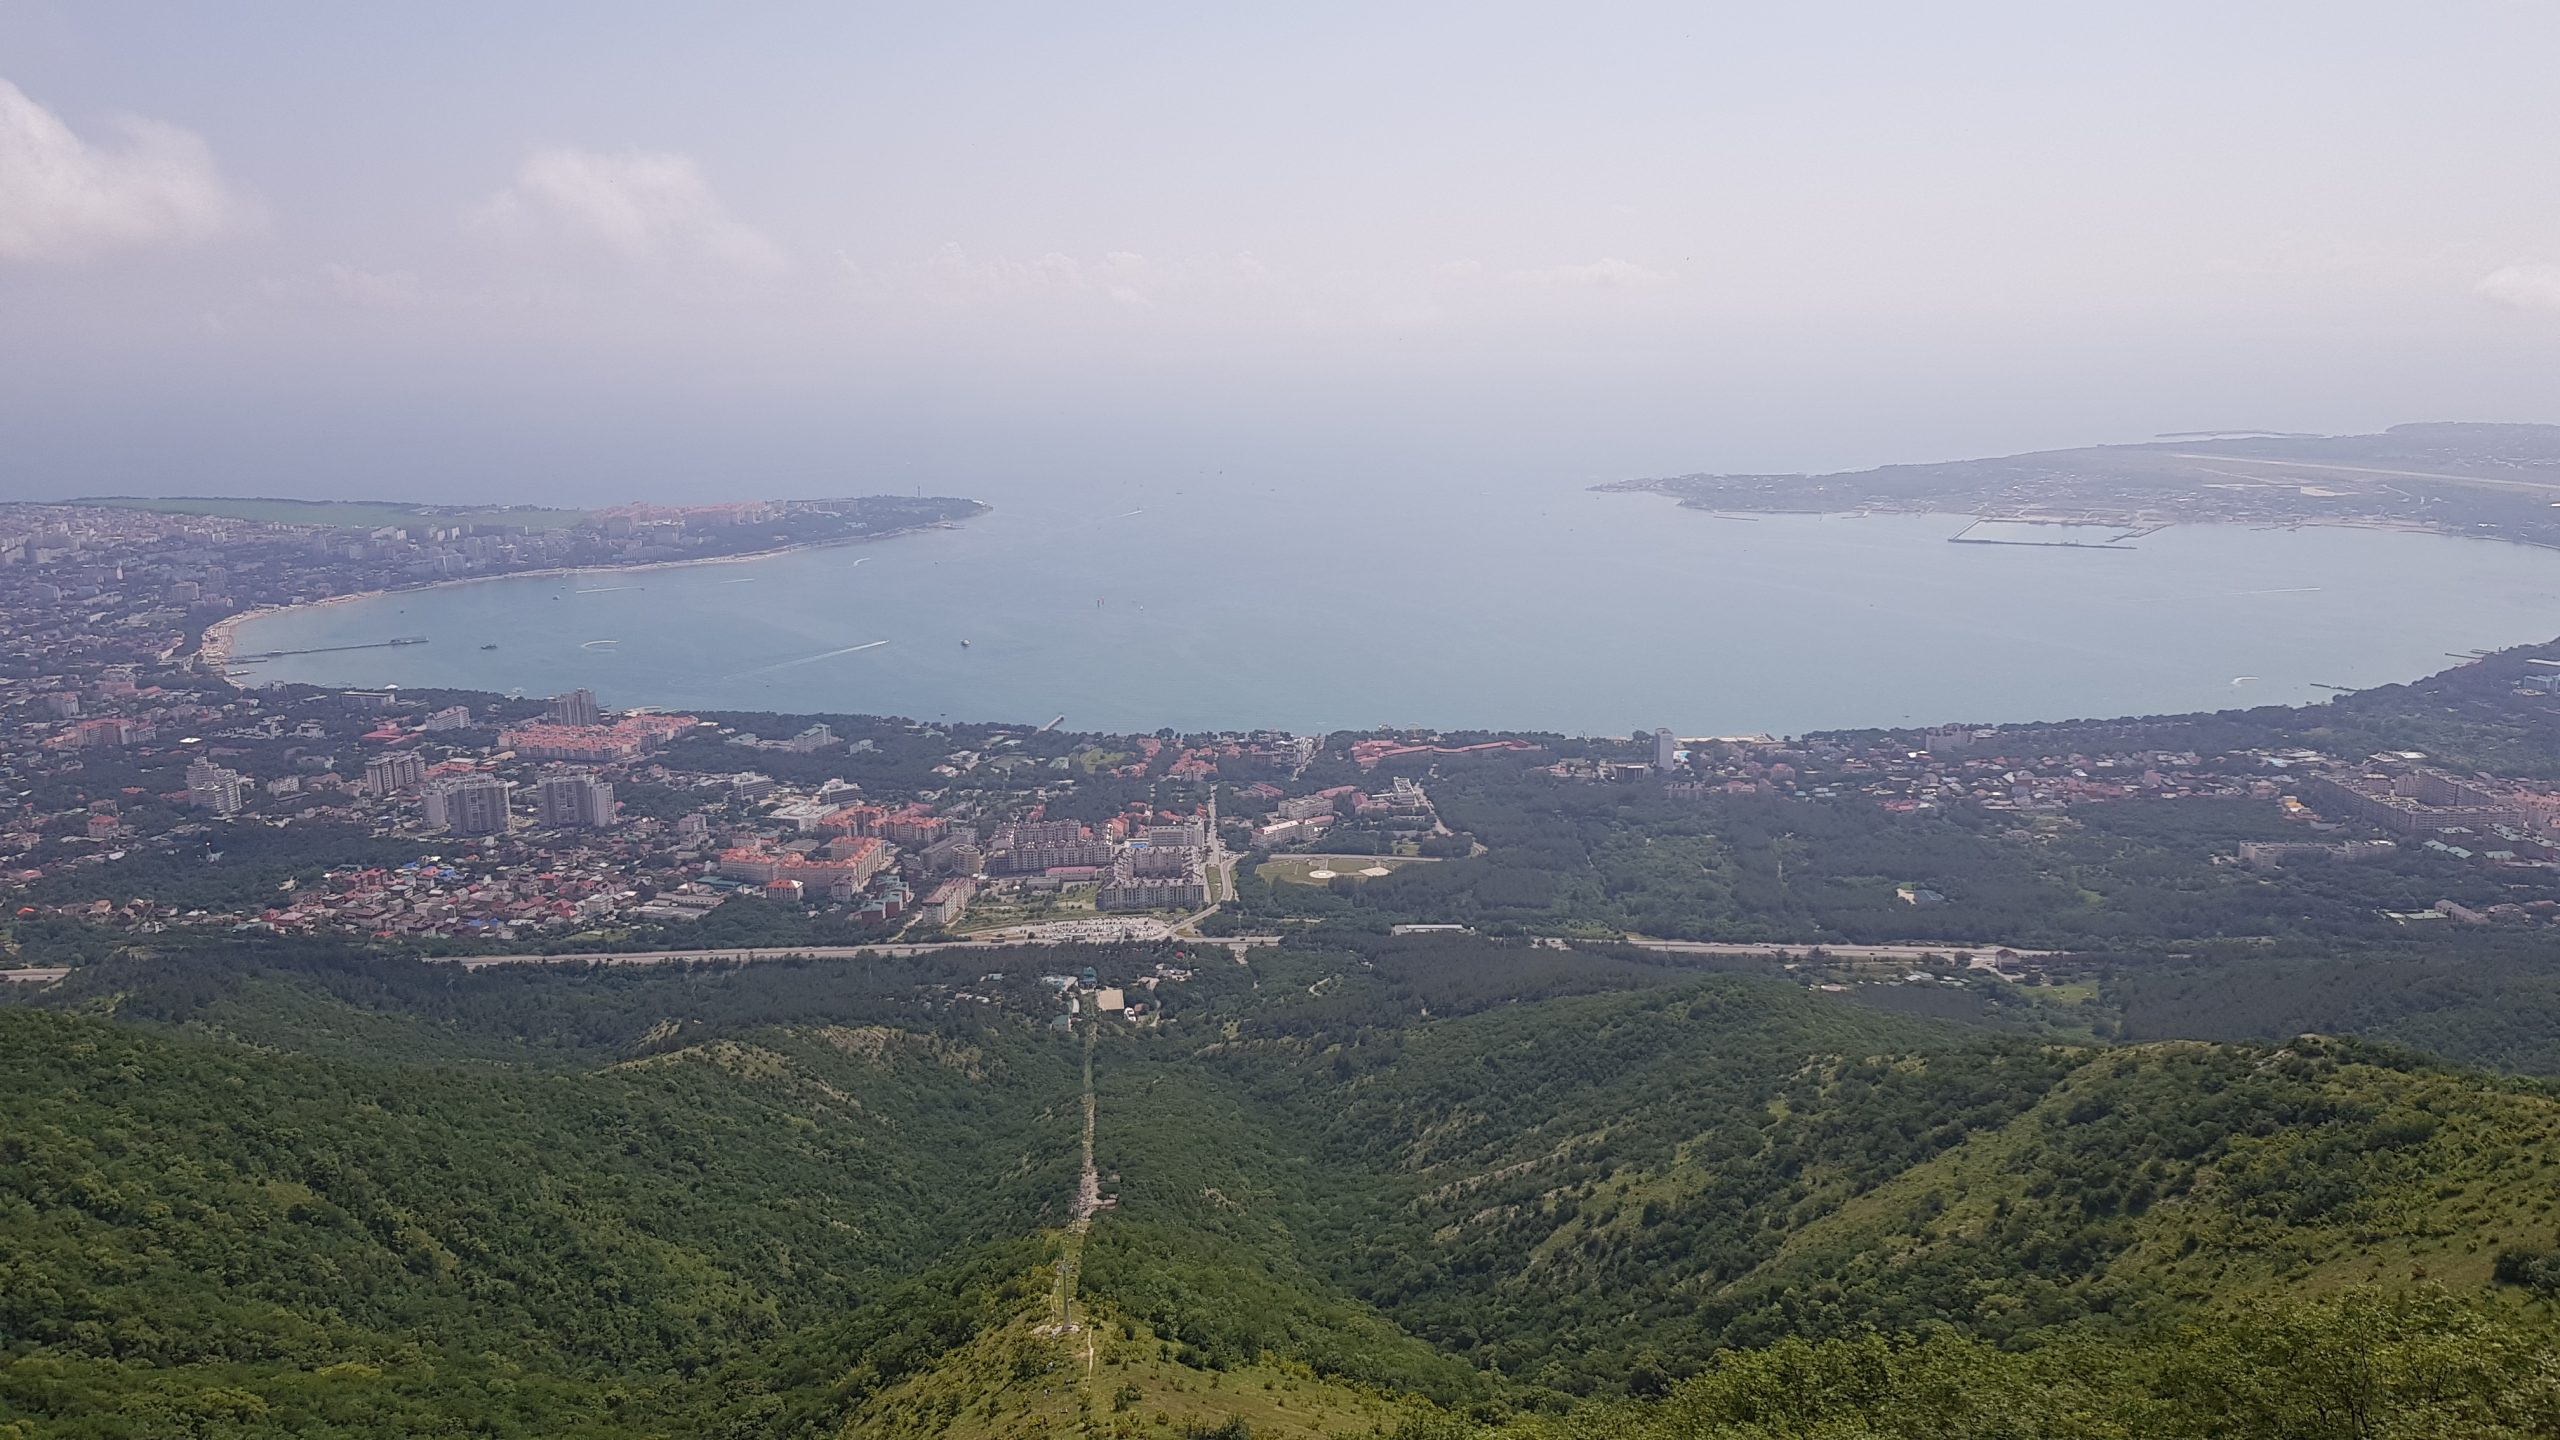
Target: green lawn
x=995 y=912
x=353 y=514
x=1300 y=869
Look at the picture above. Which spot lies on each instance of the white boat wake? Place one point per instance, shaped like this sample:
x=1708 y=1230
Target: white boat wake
x=806 y=659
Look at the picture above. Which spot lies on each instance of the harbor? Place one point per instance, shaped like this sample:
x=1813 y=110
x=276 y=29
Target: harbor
x=2113 y=542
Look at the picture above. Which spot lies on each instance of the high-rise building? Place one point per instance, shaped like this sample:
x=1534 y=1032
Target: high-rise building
x=215 y=788
x=107 y=730
x=811 y=740
x=1308 y=807
x=1127 y=889
x=468 y=804
x=400 y=770
x=948 y=901
x=452 y=717
x=576 y=799
x=1666 y=751
x=578 y=707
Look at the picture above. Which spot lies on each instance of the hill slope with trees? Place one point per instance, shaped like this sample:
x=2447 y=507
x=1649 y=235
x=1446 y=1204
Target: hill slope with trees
x=1400 y=1187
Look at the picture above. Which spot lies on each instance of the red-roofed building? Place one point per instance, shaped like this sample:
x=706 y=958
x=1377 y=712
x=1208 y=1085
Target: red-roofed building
x=862 y=859
x=624 y=740
x=852 y=820
x=914 y=829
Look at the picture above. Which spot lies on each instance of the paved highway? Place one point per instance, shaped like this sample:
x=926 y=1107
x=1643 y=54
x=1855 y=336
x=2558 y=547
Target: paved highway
x=1239 y=944
x=1837 y=952
x=1236 y=943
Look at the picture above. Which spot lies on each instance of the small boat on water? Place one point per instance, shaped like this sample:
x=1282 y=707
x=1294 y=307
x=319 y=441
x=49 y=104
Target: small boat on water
x=492 y=645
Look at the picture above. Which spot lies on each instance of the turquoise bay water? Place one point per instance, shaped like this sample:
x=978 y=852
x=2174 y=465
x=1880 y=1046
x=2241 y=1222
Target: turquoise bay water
x=1136 y=605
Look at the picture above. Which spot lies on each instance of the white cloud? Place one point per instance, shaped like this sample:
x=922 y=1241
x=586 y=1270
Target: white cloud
x=66 y=198
x=648 y=208
x=1240 y=287
x=348 y=286
x=955 y=277
x=373 y=289
x=2526 y=287
x=1606 y=273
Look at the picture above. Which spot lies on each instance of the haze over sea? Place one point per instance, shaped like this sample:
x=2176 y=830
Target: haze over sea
x=1314 y=605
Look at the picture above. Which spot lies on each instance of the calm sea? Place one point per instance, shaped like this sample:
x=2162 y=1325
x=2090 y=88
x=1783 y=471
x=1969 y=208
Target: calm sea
x=1334 y=604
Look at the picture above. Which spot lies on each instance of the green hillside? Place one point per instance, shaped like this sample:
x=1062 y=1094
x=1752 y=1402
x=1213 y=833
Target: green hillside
x=1376 y=1188
x=184 y=1217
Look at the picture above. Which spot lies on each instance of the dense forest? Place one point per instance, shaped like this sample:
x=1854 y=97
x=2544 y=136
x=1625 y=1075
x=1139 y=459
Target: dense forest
x=1435 y=1186
x=1598 y=860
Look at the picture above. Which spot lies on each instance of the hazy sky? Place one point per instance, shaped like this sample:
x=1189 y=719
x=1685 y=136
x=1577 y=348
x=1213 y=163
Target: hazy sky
x=592 y=251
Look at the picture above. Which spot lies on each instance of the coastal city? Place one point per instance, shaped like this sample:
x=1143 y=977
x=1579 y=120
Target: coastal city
x=141 y=583
x=154 y=789
x=1185 y=722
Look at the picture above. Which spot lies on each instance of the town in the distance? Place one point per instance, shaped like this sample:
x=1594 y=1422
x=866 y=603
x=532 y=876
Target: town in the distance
x=156 y=797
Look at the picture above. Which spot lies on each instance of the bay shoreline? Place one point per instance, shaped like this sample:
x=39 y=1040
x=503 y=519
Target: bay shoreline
x=213 y=650
x=1800 y=582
